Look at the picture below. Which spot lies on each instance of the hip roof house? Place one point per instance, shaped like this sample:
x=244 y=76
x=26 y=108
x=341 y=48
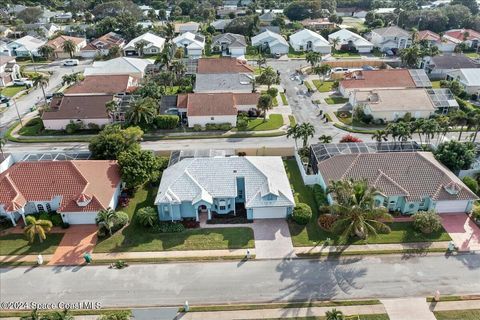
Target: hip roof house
x=225 y=185
x=307 y=40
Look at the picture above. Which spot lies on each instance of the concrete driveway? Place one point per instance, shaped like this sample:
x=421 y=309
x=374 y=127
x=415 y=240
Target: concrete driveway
x=463 y=231
x=272 y=239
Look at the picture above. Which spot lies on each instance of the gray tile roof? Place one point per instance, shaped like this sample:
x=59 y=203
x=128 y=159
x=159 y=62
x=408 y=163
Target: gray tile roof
x=414 y=175
x=223 y=82
x=453 y=61
x=196 y=179
x=233 y=40
x=391 y=31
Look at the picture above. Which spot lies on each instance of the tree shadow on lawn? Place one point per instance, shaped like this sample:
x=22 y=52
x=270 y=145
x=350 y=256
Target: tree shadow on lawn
x=337 y=276
x=52 y=240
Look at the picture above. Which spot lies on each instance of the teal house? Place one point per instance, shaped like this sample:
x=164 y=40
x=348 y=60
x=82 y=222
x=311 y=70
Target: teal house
x=408 y=180
x=257 y=186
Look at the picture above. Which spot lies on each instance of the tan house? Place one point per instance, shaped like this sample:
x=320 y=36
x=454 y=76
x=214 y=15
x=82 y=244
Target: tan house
x=57 y=45
x=393 y=104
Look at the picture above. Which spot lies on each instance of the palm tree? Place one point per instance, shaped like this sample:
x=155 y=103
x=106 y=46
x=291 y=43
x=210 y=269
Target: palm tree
x=179 y=68
x=334 y=315
x=69 y=47
x=410 y=56
x=265 y=103
x=261 y=61
x=70 y=78
x=476 y=127
x=62 y=315
x=294 y=132
x=380 y=135
x=306 y=131
x=105 y=219
x=114 y=52
x=111 y=107
x=268 y=77
x=140 y=46
x=142 y=111
x=459 y=118
x=36 y=227
x=335 y=42
x=358 y=214
x=325 y=138
x=313 y=58
x=168 y=31
x=41 y=81
x=46 y=51
x=429 y=128
x=322 y=71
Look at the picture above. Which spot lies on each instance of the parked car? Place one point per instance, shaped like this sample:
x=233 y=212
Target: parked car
x=4 y=99
x=23 y=82
x=70 y=62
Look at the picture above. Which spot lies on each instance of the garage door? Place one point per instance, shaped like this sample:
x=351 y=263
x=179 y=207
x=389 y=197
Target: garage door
x=80 y=218
x=451 y=206
x=269 y=212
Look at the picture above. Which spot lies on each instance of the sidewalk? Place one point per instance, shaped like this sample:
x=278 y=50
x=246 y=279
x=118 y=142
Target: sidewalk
x=372 y=248
x=409 y=308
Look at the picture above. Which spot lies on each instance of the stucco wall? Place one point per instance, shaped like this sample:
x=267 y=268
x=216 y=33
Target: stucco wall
x=60 y=124
x=203 y=120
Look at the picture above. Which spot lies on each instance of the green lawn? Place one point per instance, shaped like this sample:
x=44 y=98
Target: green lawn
x=308 y=85
x=473 y=55
x=295 y=54
x=312 y=234
x=137 y=238
x=292 y=119
x=284 y=99
x=436 y=84
x=350 y=55
x=275 y=102
x=326 y=86
x=473 y=314
x=17 y=244
x=345 y=120
x=335 y=100
x=358 y=317
x=11 y=91
x=275 y=121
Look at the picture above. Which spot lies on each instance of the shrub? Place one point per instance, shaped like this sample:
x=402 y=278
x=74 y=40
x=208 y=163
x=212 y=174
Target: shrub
x=320 y=195
x=121 y=219
x=93 y=126
x=350 y=138
x=116 y=315
x=324 y=209
x=73 y=127
x=302 y=213
x=218 y=126
x=197 y=127
x=168 y=227
x=326 y=221
x=476 y=212
x=147 y=217
x=272 y=92
x=34 y=122
x=427 y=221
x=166 y=121
x=471 y=183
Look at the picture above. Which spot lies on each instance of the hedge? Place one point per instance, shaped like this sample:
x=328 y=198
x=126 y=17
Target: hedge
x=166 y=121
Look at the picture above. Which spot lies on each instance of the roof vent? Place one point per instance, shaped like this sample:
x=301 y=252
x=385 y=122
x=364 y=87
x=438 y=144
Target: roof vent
x=83 y=200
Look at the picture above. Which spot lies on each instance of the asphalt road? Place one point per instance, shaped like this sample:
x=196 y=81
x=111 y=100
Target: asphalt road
x=252 y=281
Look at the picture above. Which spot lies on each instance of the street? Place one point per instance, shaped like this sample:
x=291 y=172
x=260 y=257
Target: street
x=253 y=281
x=25 y=102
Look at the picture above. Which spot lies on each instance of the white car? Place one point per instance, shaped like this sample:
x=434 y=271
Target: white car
x=23 y=82
x=70 y=62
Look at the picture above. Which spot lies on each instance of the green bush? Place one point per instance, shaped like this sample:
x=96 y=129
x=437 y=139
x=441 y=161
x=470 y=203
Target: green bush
x=73 y=127
x=427 y=221
x=147 y=217
x=218 y=126
x=166 y=121
x=476 y=212
x=55 y=218
x=471 y=183
x=320 y=196
x=34 y=122
x=197 y=127
x=168 y=227
x=116 y=315
x=121 y=219
x=272 y=92
x=302 y=213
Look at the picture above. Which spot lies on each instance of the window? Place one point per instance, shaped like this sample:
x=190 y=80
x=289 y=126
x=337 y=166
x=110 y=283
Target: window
x=212 y=118
x=40 y=207
x=166 y=209
x=422 y=203
x=229 y=206
x=378 y=203
x=49 y=208
x=216 y=207
x=240 y=194
x=222 y=207
x=153 y=50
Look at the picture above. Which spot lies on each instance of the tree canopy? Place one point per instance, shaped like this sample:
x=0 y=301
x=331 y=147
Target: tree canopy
x=113 y=140
x=456 y=155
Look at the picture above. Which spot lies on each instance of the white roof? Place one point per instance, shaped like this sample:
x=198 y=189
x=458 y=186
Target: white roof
x=471 y=76
x=195 y=41
x=346 y=35
x=121 y=65
x=150 y=38
x=305 y=35
x=270 y=37
x=30 y=43
x=202 y=179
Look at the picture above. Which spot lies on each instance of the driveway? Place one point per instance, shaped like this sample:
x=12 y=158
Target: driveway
x=77 y=240
x=463 y=231
x=272 y=239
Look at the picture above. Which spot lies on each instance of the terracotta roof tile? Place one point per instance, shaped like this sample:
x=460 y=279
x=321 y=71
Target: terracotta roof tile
x=211 y=104
x=461 y=34
x=78 y=107
x=222 y=65
x=395 y=78
x=57 y=43
x=111 y=84
x=44 y=180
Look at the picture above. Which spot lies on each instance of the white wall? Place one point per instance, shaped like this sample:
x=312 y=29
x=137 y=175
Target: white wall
x=203 y=120
x=79 y=217
x=308 y=180
x=60 y=124
x=279 y=49
x=195 y=53
x=237 y=52
x=114 y=202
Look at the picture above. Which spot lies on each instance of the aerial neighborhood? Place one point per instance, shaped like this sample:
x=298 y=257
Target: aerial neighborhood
x=318 y=158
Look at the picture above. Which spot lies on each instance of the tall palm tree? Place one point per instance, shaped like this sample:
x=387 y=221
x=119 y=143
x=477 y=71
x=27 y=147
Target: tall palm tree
x=261 y=61
x=36 y=227
x=429 y=128
x=111 y=107
x=69 y=47
x=46 y=51
x=142 y=111
x=307 y=130
x=380 y=135
x=179 y=68
x=335 y=42
x=105 y=219
x=265 y=103
x=410 y=56
x=443 y=127
x=358 y=215
x=325 y=138
x=322 y=71
x=168 y=31
x=40 y=80
x=140 y=46
x=459 y=119
x=294 y=132
x=312 y=57
x=476 y=127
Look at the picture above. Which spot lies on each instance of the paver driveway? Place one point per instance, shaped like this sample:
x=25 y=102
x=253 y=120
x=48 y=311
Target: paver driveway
x=272 y=239
x=463 y=231
x=77 y=240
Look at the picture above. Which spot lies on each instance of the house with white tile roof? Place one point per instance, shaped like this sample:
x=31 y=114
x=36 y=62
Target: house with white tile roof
x=308 y=40
x=230 y=44
x=257 y=186
x=193 y=44
x=153 y=44
x=391 y=37
x=469 y=79
x=26 y=46
x=271 y=41
x=348 y=39
x=134 y=67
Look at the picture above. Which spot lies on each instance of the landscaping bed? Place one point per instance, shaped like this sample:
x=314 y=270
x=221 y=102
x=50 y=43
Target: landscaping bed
x=137 y=238
x=17 y=244
x=335 y=100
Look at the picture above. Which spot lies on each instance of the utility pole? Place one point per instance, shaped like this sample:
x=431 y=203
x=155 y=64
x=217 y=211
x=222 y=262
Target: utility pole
x=18 y=113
